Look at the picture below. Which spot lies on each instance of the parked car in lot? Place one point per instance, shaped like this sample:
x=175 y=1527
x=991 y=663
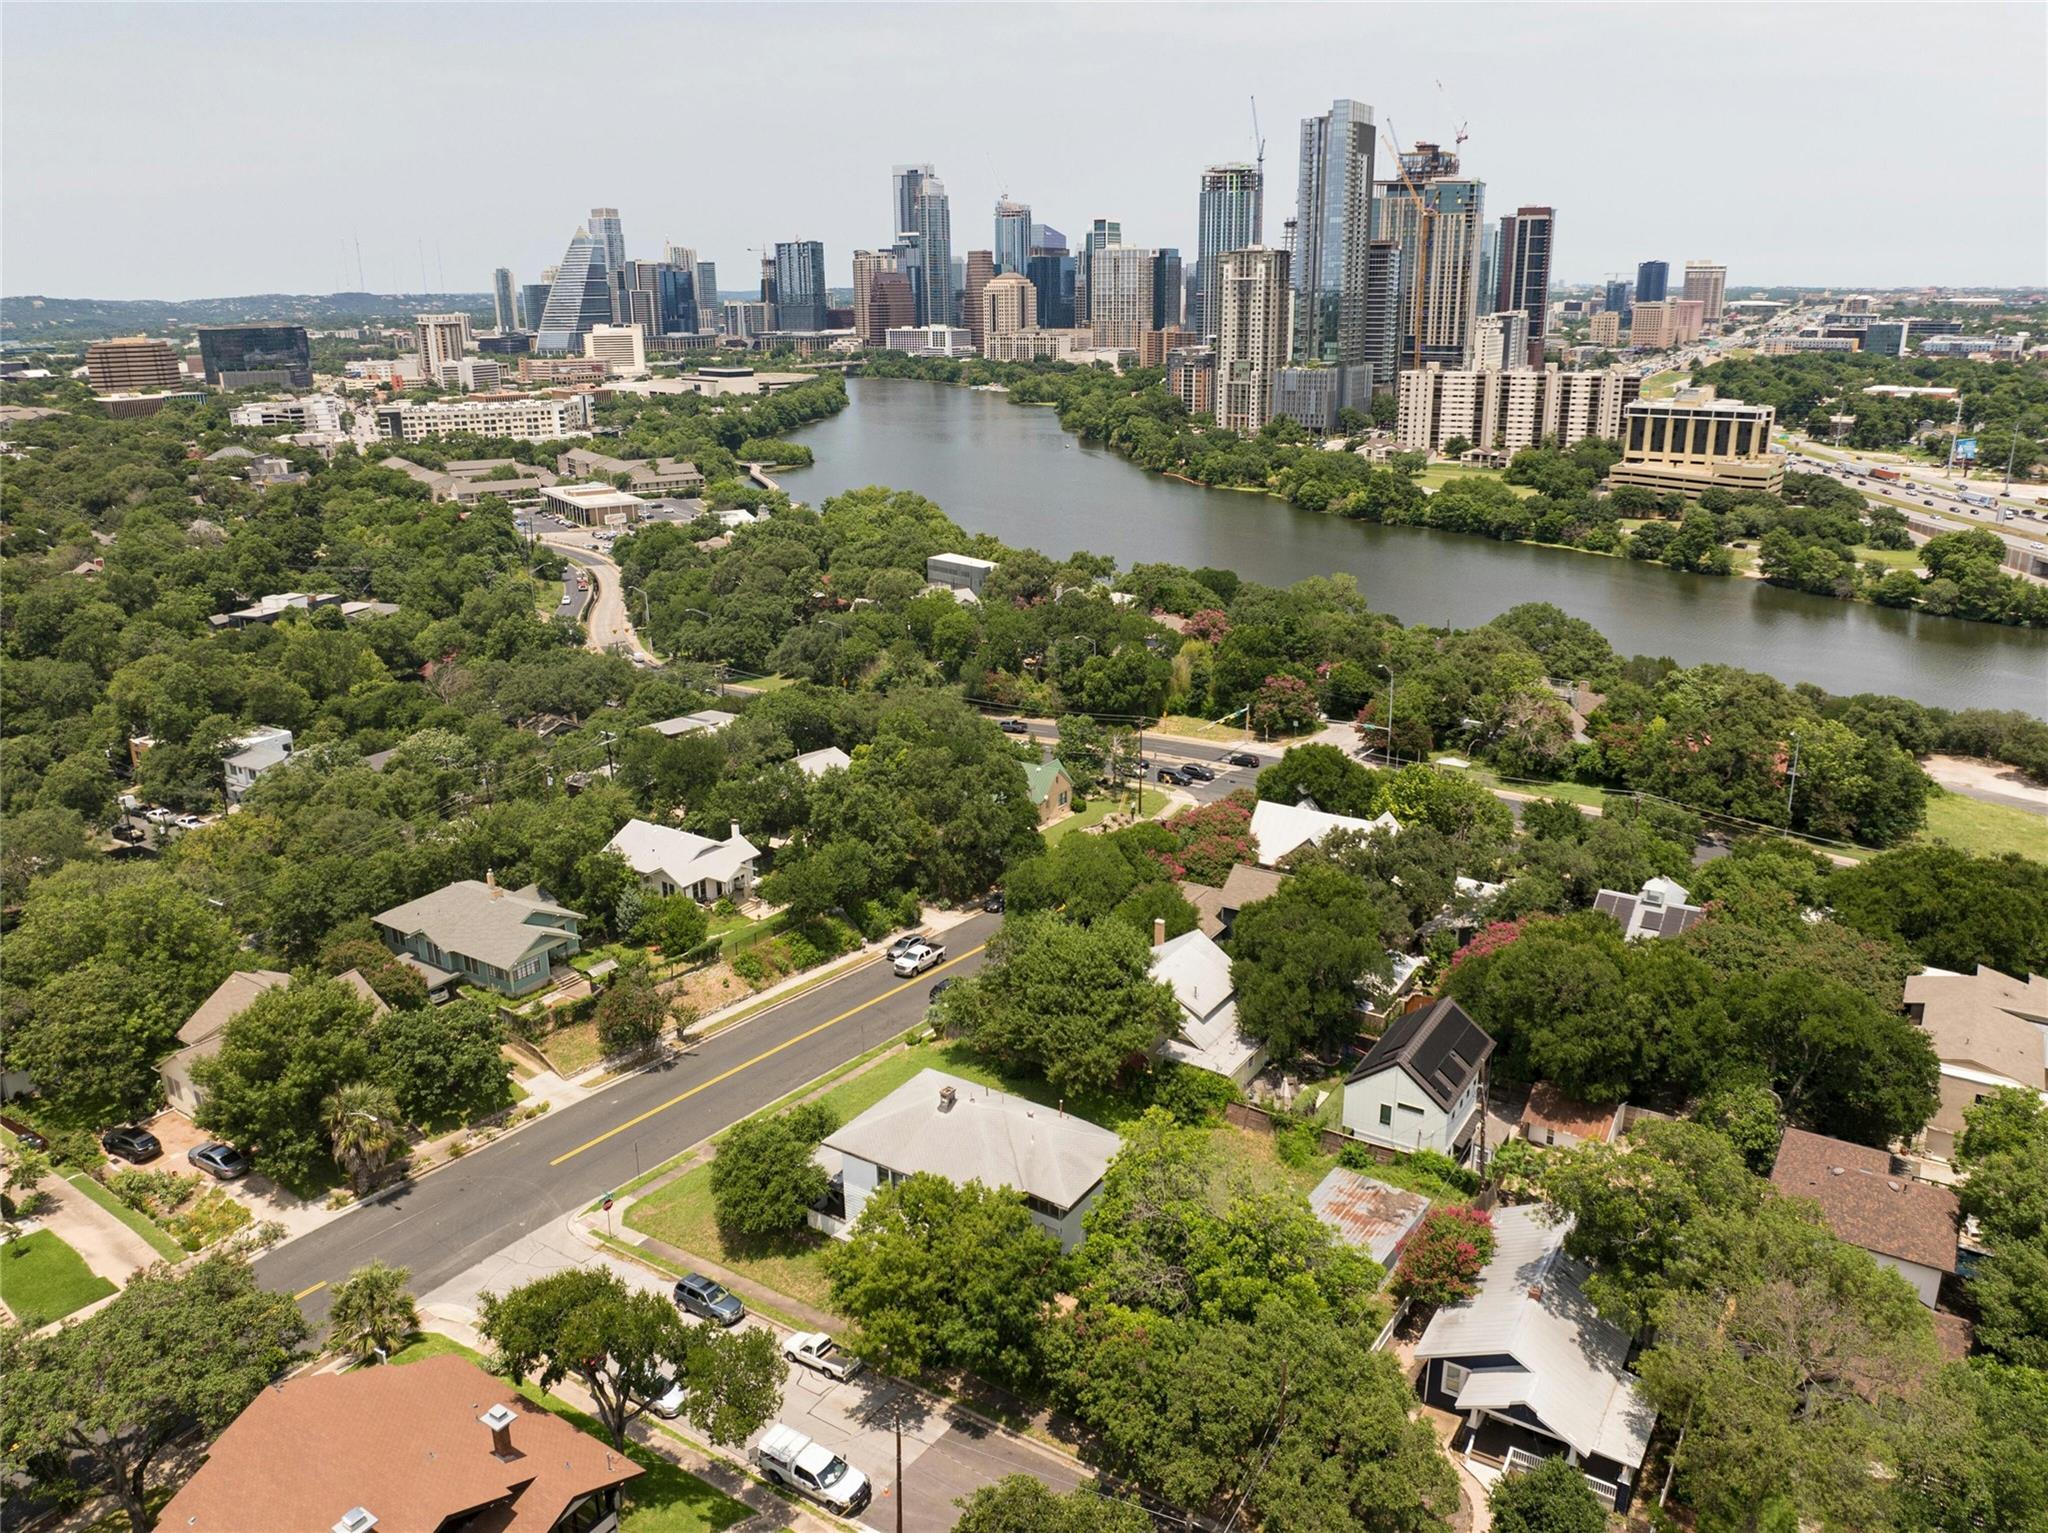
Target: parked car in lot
x=816 y=1350
x=917 y=959
x=696 y=1294
x=126 y=832
x=24 y=1133
x=1173 y=775
x=222 y=1162
x=787 y=1457
x=1014 y=727
x=1242 y=758
x=191 y=822
x=130 y=1143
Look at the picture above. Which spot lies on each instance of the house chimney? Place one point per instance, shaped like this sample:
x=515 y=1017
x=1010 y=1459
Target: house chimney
x=946 y=1095
x=1159 y=931
x=735 y=831
x=499 y=1419
x=491 y=882
x=357 y=1519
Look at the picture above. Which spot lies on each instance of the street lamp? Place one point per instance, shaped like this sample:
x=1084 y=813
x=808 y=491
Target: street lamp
x=1390 y=714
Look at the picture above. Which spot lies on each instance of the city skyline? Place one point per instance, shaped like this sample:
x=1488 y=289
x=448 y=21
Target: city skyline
x=1876 y=210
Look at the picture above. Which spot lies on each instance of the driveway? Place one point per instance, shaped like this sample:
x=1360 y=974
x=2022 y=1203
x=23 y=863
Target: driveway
x=109 y=1247
x=946 y=1452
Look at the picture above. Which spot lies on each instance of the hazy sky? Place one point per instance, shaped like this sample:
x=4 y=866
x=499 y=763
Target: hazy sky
x=177 y=151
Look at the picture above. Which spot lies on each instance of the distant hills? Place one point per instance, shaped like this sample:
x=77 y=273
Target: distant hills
x=34 y=320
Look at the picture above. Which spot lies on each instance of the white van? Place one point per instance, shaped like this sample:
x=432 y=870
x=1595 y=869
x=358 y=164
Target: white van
x=789 y=1458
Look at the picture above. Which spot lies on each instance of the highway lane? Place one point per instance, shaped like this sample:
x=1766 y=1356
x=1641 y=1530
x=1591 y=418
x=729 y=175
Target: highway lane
x=452 y=1218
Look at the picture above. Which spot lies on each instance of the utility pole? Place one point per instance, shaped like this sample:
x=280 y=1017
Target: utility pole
x=1391 y=757
x=1791 y=781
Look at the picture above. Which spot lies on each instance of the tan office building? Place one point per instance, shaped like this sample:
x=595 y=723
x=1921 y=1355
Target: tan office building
x=981 y=271
x=1008 y=306
x=1252 y=336
x=1120 y=295
x=1698 y=444
x=1605 y=329
x=867 y=266
x=134 y=362
x=1665 y=323
x=1708 y=282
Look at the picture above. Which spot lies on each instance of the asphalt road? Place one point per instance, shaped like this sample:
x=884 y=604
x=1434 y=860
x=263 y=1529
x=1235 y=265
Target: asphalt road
x=1161 y=752
x=453 y=1218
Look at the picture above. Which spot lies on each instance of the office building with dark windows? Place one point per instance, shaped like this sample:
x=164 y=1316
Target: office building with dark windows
x=1653 y=281
x=1525 y=238
x=800 y=284
x=1698 y=445
x=256 y=356
x=1052 y=273
x=1333 y=235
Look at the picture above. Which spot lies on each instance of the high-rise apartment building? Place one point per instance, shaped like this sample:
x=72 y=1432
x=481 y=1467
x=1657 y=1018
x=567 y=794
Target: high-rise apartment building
x=1525 y=237
x=1501 y=340
x=1120 y=295
x=1503 y=410
x=708 y=302
x=934 y=224
x=256 y=356
x=504 y=303
x=580 y=297
x=1191 y=377
x=610 y=236
x=1008 y=306
x=1653 y=281
x=868 y=265
x=133 y=362
x=1617 y=297
x=658 y=297
x=1707 y=283
x=800 y=285
x=1013 y=236
x=1052 y=273
x=980 y=271
x=1440 y=226
x=1230 y=215
x=1251 y=336
x=1604 y=329
x=533 y=299
x=1166 y=289
x=1333 y=233
x=439 y=338
x=1101 y=233
x=1383 y=312
x=622 y=348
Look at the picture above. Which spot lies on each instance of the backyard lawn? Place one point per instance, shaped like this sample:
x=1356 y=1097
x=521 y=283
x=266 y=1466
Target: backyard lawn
x=666 y=1499
x=1100 y=809
x=43 y=1279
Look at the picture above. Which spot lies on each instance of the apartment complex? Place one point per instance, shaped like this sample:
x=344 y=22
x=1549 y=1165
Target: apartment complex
x=1333 y=235
x=518 y=417
x=1120 y=287
x=1695 y=445
x=1231 y=215
x=1501 y=340
x=315 y=412
x=439 y=338
x=1525 y=240
x=1439 y=227
x=1191 y=378
x=1251 y=336
x=1604 y=329
x=1707 y=283
x=133 y=362
x=1503 y=410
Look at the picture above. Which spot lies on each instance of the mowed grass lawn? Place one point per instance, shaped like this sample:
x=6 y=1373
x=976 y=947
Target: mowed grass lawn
x=43 y=1279
x=1100 y=809
x=666 y=1499
x=1437 y=475
x=1986 y=829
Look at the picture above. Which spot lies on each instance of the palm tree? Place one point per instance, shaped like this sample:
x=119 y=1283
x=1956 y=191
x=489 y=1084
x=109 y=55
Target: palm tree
x=373 y=1312
x=365 y=1129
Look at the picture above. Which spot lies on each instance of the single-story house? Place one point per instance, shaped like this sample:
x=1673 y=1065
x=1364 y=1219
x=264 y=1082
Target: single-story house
x=1278 y=829
x=818 y=763
x=254 y=754
x=1552 y=1118
x=1988 y=1030
x=200 y=1037
x=1423 y=1084
x=1198 y=973
x=1659 y=909
x=1216 y=909
x=967 y=1133
x=1052 y=790
x=1368 y=1214
x=704 y=719
x=1535 y=1372
x=671 y=861
x=436 y=1444
x=1908 y=1226
x=508 y=940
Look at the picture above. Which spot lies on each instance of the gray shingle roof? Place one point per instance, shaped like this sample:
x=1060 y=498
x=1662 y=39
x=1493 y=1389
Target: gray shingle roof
x=1438 y=1045
x=481 y=921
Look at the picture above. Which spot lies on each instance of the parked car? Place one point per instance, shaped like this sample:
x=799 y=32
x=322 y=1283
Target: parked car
x=1196 y=772
x=669 y=1403
x=1014 y=727
x=1173 y=775
x=130 y=1143
x=814 y=1349
x=941 y=988
x=994 y=903
x=191 y=822
x=1242 y=758
x=695 y=1294
x=222 y=1162
x=787 y=1457
x=24 y=1133
x=916 y=960
x=904 y=944
x=158 y=815
x=126 y=832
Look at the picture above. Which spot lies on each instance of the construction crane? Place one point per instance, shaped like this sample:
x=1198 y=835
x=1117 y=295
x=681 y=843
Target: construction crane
x=1459 y=133
x=1259 y=140
x=1425 y=218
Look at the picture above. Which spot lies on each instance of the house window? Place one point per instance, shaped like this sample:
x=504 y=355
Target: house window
x=1416 y=1110
x=1386 y=1113
x=1454 y=1377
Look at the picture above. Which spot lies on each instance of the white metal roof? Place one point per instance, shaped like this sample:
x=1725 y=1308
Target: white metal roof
x=1198 y=973
x=683 y=858
x=1278 y=829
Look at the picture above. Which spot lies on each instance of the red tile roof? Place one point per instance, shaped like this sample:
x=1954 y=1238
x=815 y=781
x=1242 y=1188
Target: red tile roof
x=1550 y=1108
x=1866 y=1203
x=404 y=1443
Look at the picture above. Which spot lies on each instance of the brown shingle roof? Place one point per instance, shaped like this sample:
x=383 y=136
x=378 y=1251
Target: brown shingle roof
x=1865 y=1203
x=1550 y=1108
x=405 y=1443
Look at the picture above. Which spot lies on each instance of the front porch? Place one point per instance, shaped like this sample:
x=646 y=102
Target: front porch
x=1492 y=1447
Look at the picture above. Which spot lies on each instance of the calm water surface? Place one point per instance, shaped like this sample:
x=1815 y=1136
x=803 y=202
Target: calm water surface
x=1011 y=471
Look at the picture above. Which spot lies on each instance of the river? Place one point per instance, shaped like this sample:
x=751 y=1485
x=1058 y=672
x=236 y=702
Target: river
x=1010 y=470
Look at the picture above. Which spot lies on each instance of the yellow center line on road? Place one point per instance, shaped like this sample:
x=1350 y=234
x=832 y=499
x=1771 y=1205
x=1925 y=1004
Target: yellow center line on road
x=304 y=1293
x=685 y=1096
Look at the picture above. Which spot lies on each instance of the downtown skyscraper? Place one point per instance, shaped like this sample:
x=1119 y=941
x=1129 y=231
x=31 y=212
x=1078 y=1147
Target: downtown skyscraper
x=1013 y=237
x=1251 y=335
x=1230 y=216
x=1525 y=237
x=1333 y=230
x=504 y=306
x=1653 y=281
x=921 y=209
x=1440 y=226
x=800 y=285
x=610 y=235
x=1101 y=233
x=580 y=297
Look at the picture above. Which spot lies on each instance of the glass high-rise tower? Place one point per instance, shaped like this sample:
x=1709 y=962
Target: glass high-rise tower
x=1653 y=281
x=1332 y=265
x=1013 y=237
x=504 y=307
x=581 y=297
x=800 y=285
x=932 y=218
x=1231 y=216
x=610 y=236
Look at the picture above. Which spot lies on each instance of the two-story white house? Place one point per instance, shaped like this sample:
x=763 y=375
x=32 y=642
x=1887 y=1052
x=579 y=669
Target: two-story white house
x=254 y=754
x=1423 y=1085
x=967 y=1133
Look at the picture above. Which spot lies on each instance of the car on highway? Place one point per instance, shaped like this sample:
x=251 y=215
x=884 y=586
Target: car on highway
x=131 y=1143
x=917 y=959
x=787 y=1457
x=1173 y=775
x=1014 y=727
x=222 y=1162
x=1242 y=758
x=24 y=1133
x=817 y=1351
x=696 y=1294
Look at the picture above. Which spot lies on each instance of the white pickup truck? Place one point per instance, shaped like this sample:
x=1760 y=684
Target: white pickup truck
x=915 y=960
x=789 y=1458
